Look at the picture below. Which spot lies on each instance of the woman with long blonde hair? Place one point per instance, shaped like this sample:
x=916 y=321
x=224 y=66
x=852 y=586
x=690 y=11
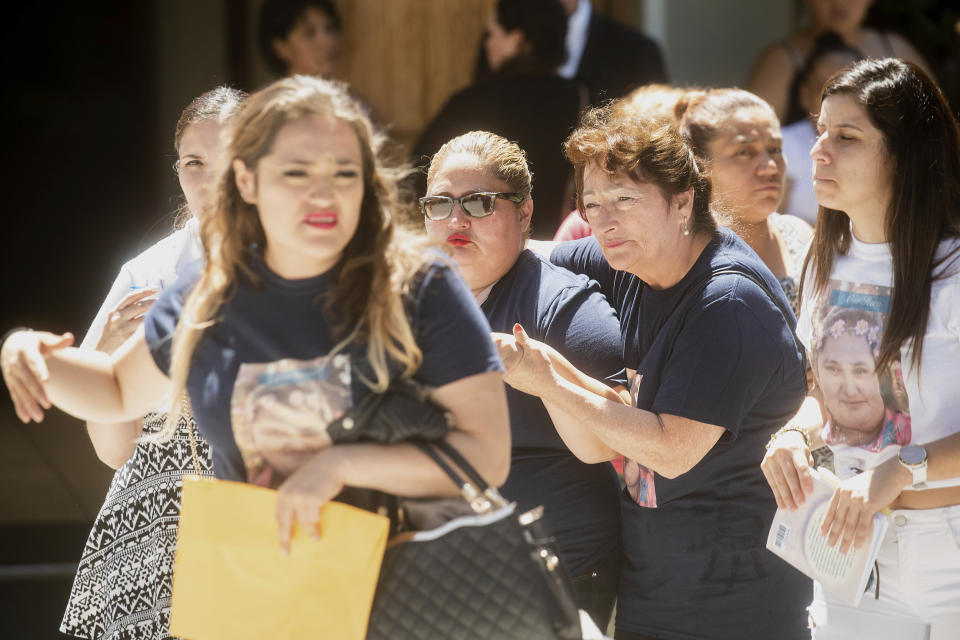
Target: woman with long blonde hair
x=308 y=300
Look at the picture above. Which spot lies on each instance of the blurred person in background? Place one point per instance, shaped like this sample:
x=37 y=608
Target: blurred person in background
x=607 y=57
x=123 y=584
x=736 y=137
x=524 y=101
x=774 y=69
x=300 y=37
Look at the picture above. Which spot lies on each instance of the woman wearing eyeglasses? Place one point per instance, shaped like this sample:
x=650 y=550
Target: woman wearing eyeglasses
x=478 y=206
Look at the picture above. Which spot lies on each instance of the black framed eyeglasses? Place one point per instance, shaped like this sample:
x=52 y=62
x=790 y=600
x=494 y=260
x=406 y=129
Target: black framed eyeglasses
x=477 y=205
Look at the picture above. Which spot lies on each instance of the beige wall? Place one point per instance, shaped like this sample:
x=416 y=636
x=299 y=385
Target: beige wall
x=406 y=57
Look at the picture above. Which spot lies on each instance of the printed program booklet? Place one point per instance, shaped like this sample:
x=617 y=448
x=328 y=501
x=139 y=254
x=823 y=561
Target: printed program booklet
x=795 y=537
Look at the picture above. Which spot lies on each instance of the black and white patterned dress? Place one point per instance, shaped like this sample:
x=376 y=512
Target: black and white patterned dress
x=123 y=584
x=122 y=587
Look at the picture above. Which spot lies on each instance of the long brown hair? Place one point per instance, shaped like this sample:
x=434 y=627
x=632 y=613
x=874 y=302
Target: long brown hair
x=376 y=266
x=922 y=142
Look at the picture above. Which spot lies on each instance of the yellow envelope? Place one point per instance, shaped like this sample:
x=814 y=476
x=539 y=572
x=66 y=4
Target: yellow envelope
x=231 y=580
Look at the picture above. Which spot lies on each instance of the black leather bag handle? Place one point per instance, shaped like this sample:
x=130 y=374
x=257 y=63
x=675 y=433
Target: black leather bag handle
x=478 y=493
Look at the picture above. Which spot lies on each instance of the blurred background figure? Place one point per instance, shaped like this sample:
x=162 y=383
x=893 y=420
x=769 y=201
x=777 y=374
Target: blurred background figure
x=829 y=55
x=736 y=137
x=524 y=101
x=607 y=57
x=774 y=69
x=300 y=37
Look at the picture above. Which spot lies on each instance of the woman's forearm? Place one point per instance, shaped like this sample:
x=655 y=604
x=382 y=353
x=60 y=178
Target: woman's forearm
x=943 y=458
x=114 y=443
x=669 y=445
x=579 y=438
x=108 y=389
x=569 y=372
x=810 y=419
x=83 y=384
x=399 y=469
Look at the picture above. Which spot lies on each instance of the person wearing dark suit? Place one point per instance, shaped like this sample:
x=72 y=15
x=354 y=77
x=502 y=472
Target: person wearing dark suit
x=608 y=58
x=616 y=59
x=524 y=100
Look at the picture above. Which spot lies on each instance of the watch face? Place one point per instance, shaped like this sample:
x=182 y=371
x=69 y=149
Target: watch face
x=913 y=454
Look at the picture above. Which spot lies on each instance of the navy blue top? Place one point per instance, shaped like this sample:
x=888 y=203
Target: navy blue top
x=695 y=544
x=567 y=312
x=270 y=345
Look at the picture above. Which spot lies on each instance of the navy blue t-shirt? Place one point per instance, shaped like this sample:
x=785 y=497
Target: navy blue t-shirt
x=262 y=383
x=567 y=312
x=695 y=544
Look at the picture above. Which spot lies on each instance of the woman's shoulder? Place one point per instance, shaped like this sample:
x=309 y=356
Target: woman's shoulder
x=783 y=53
x=532 y=265
x=772 y=71
x=554 y=283
x=426 y=275
x=166 y=253
x=946 y=272
x=735 y=272
x=796 y=234
x=786 y=223
x=945 y=288
x=889 y=44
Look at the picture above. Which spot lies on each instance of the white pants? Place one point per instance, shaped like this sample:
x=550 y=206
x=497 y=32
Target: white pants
x=919 y=599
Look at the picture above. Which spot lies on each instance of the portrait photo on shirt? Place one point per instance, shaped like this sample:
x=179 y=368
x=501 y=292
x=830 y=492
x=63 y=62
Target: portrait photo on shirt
x=280 y=412
x=639 y=480
x=865 y=408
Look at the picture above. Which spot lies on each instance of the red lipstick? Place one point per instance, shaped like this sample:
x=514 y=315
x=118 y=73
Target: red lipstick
x=321 y=219
x=458 y=240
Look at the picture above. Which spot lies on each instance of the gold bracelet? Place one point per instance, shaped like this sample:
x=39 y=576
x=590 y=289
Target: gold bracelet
x=784 y=429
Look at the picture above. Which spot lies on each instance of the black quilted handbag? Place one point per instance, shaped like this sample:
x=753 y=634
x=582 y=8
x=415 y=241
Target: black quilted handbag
x=402 y=412
x=490 y=574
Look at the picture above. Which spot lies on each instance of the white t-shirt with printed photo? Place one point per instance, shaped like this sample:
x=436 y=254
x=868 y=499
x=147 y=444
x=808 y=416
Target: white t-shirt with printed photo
x=870 y=416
